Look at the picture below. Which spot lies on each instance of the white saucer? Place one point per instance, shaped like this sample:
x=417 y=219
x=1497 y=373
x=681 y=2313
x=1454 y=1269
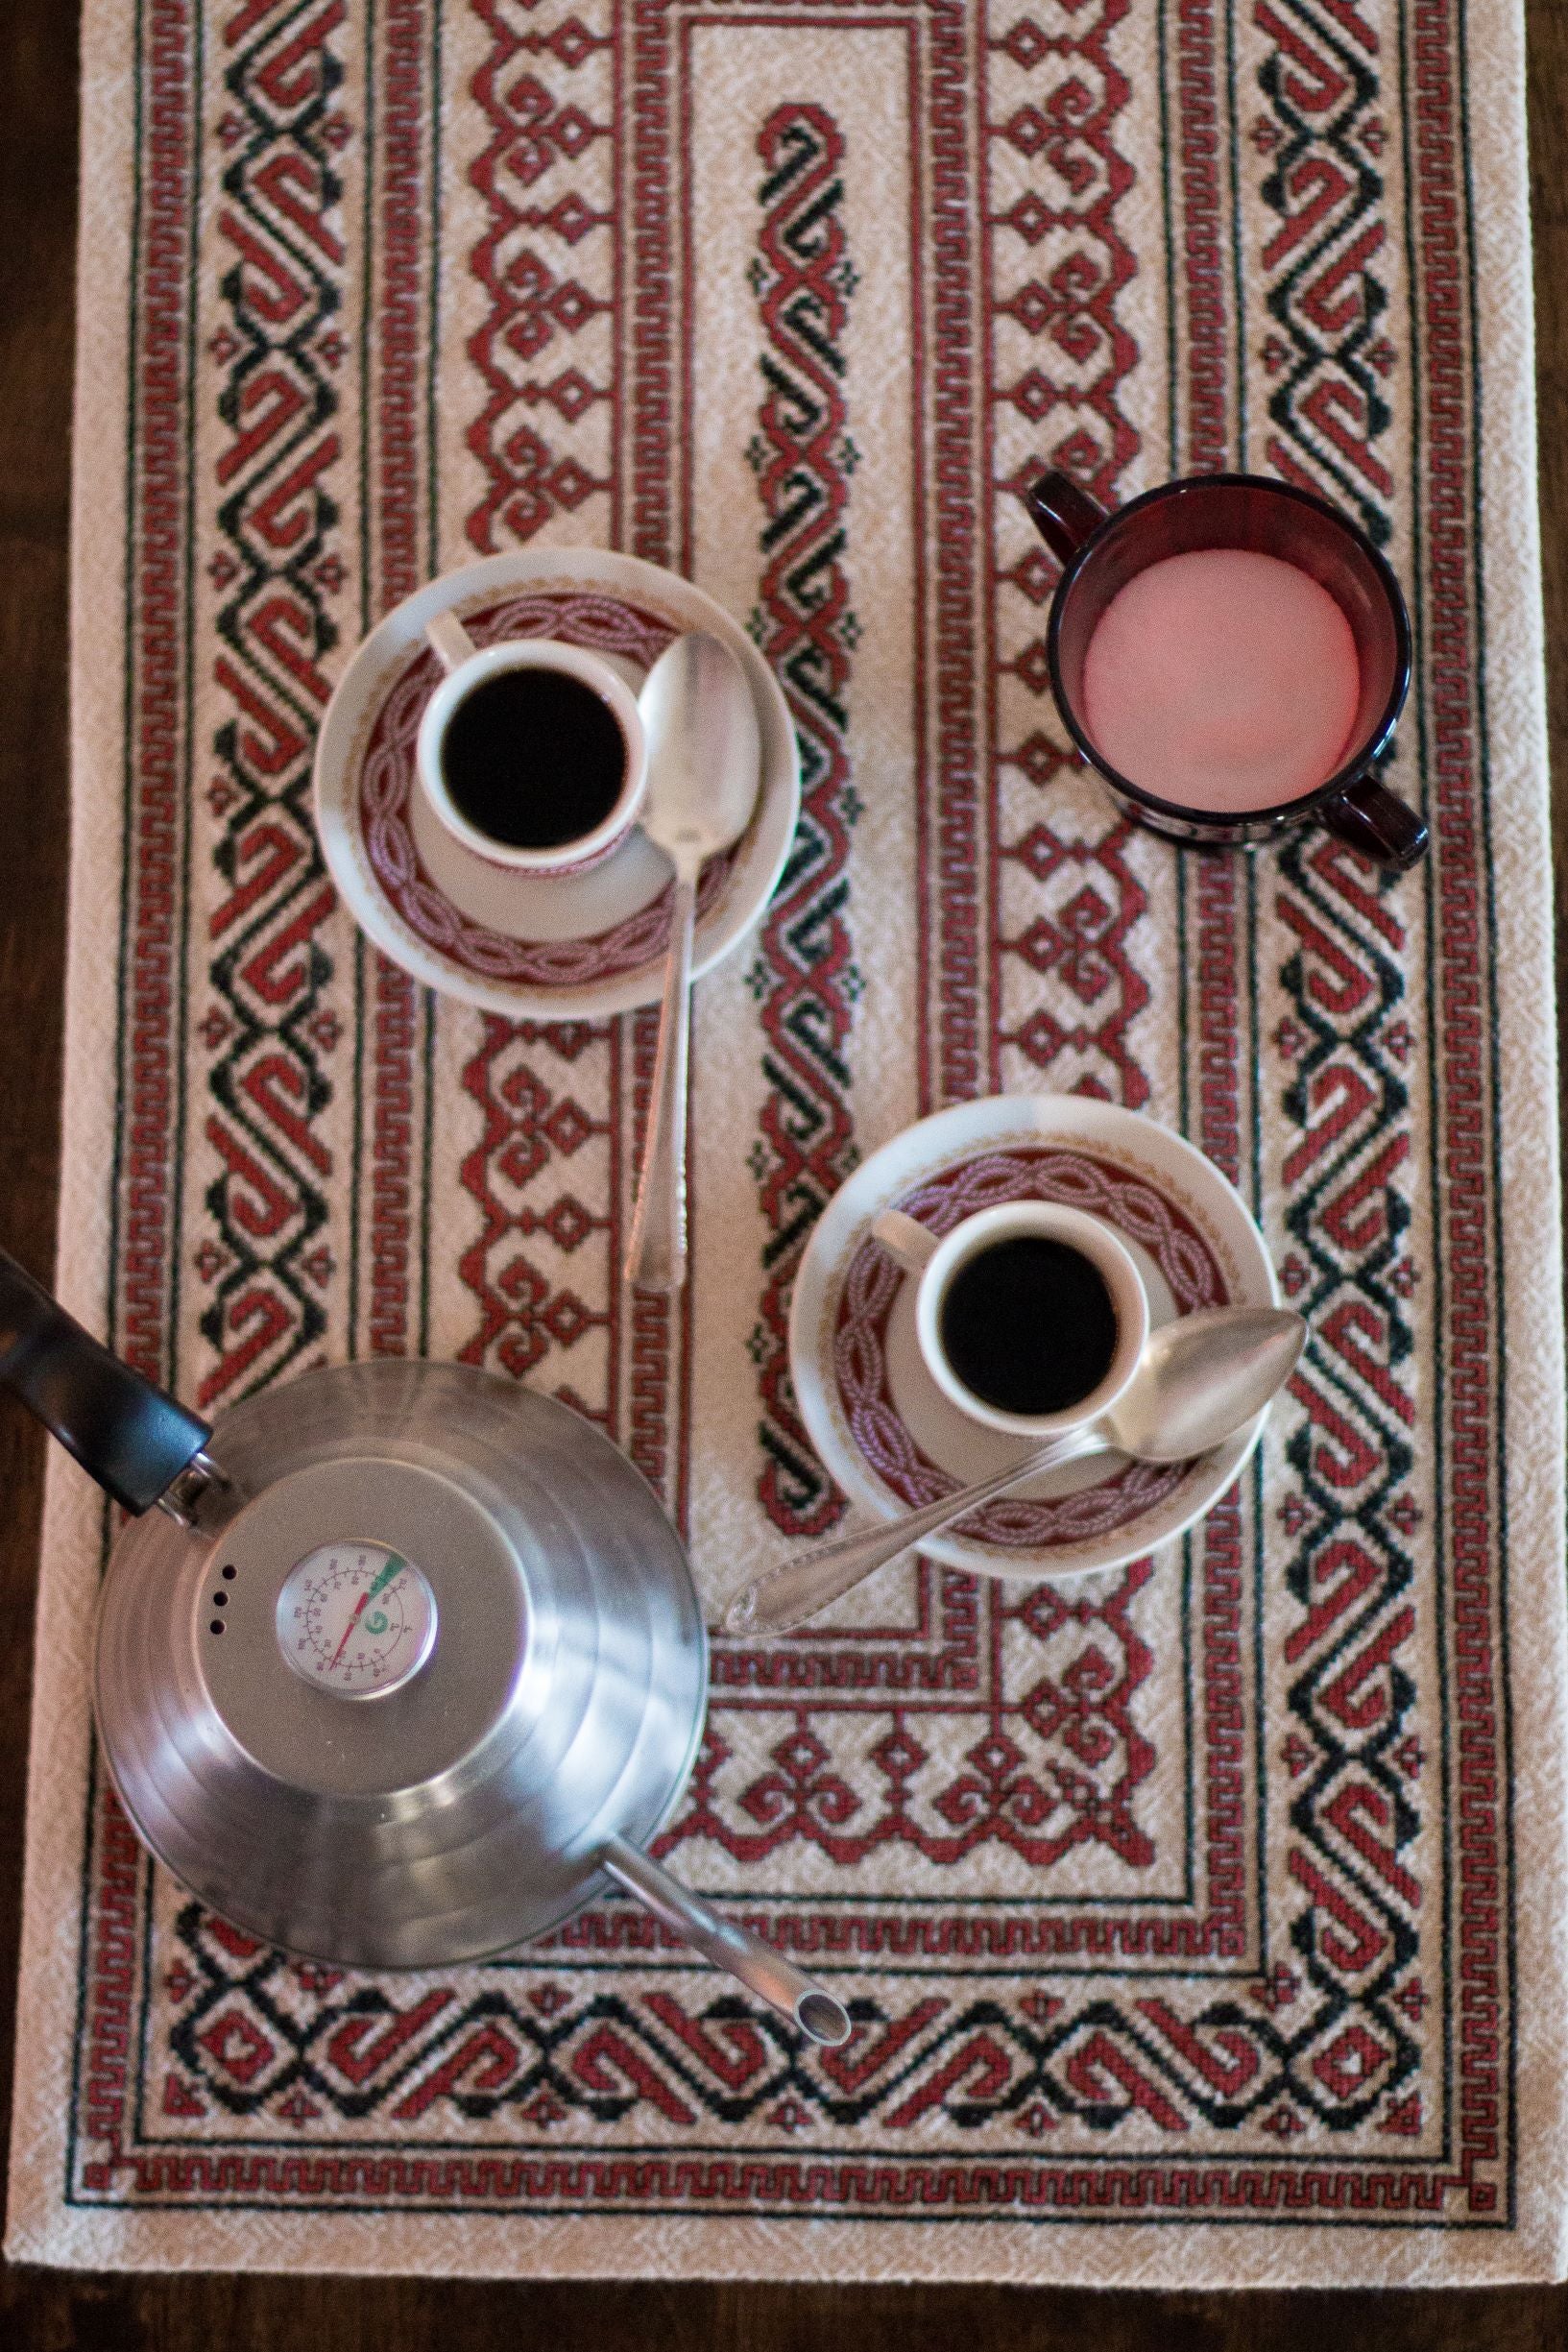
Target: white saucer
x=883 y=1427
x=571 y=947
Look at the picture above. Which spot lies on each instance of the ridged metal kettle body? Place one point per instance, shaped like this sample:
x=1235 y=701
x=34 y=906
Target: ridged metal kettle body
x=464 y=1809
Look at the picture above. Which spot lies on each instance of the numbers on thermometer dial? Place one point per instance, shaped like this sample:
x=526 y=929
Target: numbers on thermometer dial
x=356 y=1619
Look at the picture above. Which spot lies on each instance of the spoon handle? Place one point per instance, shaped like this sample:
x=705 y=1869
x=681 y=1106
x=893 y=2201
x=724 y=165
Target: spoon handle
x=656 y=1255
x=797 y=1588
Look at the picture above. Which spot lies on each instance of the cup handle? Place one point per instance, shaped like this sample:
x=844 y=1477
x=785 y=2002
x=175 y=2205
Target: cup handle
x=905 y=1239
x=451 y=641
x=1378 y=823
x=1065 y=516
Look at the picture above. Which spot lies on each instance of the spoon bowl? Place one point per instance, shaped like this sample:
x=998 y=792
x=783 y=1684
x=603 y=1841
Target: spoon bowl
x=1198 y=1380
x=704 y=748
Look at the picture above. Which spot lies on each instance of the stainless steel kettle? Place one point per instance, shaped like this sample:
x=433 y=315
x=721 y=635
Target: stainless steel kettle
x=405 y=1667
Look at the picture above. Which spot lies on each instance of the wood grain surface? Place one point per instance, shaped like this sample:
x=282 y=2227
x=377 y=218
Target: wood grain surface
x=47 y=2311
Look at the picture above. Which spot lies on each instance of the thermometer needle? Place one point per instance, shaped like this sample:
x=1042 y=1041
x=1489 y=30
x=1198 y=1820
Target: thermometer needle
x=393 y=1568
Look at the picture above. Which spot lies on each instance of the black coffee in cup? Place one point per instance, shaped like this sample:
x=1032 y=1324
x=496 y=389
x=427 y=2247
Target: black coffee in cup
x=533 y=758
x=1028 y=1325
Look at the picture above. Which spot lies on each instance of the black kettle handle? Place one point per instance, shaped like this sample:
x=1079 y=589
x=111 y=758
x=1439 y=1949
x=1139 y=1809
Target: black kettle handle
x=125 y=1432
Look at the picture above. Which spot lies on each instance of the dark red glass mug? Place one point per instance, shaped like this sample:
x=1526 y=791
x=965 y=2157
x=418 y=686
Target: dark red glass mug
x=1102 y=551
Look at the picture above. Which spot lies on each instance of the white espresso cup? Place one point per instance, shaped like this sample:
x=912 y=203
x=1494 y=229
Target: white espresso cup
x=936 y=1264
x=470 y=667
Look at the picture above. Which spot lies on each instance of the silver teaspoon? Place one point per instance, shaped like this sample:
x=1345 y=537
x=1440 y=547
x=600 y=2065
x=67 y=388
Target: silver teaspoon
x=1198 y=1380
x=703 y=762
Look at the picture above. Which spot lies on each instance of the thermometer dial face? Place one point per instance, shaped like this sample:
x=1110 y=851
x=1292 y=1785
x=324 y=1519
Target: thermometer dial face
x=356 y=1619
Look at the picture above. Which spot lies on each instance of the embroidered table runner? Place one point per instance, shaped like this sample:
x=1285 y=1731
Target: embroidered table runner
x=1203 y=1922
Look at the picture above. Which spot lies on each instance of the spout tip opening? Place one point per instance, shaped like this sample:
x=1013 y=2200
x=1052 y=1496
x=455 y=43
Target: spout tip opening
x=823 y=2018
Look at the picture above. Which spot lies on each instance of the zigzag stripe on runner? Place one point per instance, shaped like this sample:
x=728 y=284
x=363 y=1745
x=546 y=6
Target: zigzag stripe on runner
x=1353 y=1768
x=267 y=1030
x=803 y=279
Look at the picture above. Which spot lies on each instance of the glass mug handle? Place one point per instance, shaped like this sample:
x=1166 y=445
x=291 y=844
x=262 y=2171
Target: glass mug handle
x=1377 y=822
x=1066 y=517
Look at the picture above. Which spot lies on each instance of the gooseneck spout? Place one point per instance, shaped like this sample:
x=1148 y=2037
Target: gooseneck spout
x=762 y=1971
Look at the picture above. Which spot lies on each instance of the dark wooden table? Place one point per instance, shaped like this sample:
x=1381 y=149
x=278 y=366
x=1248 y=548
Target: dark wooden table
x=49 y=2311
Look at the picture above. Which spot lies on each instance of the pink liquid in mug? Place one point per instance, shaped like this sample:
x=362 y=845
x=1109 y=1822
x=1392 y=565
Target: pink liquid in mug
x=1223 y=680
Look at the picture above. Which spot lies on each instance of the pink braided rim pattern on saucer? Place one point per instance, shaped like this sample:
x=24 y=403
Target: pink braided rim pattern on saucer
x=1137 y=1210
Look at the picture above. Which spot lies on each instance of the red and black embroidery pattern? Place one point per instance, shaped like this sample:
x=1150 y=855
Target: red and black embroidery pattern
x=534 y=308
x=805 y=977
x=267 y=1032
x=1068 y=982
x=538 y=1257
x=1345 y=1045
